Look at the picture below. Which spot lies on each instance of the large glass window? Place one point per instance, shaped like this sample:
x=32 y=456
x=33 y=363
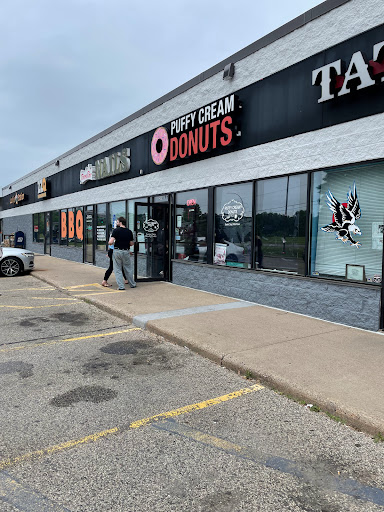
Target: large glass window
x=101 y=227
x=71 y=227
x=281 y=208
x=233 y=225
x=35 y=222
x=79 y=227
x=191 y=225
x=63 y=227
x=116 y=210
x=41 y=232
x=347 y=223
x=55 y=220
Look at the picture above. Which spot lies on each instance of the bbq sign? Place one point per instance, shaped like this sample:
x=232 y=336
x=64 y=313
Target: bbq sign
x=206 y=129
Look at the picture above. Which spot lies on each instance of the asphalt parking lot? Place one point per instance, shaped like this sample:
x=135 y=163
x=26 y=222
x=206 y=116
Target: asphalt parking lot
x=100 y=415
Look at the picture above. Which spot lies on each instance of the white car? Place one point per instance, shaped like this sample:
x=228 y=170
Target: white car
x=15 y=261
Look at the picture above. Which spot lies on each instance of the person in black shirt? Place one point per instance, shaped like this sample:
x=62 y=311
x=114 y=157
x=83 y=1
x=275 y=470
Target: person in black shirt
x=122 y=239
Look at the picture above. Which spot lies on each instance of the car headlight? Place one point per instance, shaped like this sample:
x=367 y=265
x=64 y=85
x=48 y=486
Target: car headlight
x=28 y=254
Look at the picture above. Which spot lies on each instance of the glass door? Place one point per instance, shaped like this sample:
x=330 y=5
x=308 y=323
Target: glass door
x=89 y=249
x=151 y=242
x=47 y=234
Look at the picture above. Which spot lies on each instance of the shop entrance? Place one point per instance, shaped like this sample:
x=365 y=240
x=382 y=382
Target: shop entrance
x=89 y=249
x=47 y=233
x=152 y=242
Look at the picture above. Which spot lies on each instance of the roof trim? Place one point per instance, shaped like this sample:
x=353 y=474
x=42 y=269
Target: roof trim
x=266 y=40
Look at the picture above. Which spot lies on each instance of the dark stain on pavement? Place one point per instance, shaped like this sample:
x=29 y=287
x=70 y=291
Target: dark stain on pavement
x=125 y=347
x=23 y=369
x=70 y=318
x=135 y=356
x=32 y=322
x=95 y=394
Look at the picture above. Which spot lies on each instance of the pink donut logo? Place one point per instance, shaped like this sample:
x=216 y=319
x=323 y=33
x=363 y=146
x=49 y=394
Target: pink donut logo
x=159 y=145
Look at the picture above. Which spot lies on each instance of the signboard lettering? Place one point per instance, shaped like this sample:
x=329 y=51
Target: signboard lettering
x=359 y=74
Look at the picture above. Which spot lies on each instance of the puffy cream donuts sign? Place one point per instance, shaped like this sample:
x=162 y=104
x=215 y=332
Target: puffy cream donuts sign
x=207 y=128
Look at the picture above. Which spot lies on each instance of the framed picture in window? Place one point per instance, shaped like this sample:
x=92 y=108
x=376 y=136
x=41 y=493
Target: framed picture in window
x=355 y=273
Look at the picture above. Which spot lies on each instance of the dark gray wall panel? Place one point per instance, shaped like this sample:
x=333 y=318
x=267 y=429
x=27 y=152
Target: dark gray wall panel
x=317 y=298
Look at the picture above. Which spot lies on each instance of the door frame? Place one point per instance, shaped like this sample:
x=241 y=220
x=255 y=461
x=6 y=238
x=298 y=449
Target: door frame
x=47 y=233
x=167 y=254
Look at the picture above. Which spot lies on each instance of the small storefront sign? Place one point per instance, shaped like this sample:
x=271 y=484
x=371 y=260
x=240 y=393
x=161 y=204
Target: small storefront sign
x=111 y=165
x=220 y=254
x=232 y=213
x=42 y=188
x=101 y=233
x=17 y=198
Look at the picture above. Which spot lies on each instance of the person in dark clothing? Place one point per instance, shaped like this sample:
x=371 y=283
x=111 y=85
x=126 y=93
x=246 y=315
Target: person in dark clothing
x=122 y=239
x=109 y=270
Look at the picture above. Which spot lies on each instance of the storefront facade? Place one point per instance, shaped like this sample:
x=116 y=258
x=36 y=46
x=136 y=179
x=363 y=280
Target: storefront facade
x=265 y=187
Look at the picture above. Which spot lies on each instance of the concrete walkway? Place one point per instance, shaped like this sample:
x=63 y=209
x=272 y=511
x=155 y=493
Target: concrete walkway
x=338 y=368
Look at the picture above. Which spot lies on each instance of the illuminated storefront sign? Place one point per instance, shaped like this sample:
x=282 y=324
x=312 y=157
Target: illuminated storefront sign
x=17 y=198
x=359 y=74
x=207 y=128
x=42 y=188
x=116 y=163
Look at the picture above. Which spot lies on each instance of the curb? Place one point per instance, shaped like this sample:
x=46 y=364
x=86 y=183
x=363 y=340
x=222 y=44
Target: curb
x=350 y=417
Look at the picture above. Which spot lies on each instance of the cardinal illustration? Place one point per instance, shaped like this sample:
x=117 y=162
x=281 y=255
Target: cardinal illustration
x=344 y=217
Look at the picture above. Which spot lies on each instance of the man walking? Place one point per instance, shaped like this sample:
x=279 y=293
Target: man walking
x=122 y=239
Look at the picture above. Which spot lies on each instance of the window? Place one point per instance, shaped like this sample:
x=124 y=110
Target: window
x=35 y=226
x=38 y=227
x=281 y=205
x=116 y=210
x=79 y=227
x=359 y=242
x=55 y=219
x=101 y=227
x=233 y=225
x=71 y=227
x=63 y=227
x=191 y=225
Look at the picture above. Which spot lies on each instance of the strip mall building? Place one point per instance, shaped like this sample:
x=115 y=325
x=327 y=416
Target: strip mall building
x=267 y=185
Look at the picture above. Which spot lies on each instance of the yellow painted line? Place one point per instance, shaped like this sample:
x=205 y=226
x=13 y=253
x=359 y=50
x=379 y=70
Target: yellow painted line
x=136 y=424
x=97 y=293
x=51 y=298
x=57 y=448
x=22 y=347
x=81 y=286
x=29 y=289
x=195 y=407
x=37 y=307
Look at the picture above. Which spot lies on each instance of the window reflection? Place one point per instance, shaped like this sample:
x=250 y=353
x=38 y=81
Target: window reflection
x=233 y=225
x=191 y=225
x=280 y=223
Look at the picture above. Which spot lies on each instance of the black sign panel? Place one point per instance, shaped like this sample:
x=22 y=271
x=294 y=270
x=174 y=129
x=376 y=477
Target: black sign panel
x=280 y=106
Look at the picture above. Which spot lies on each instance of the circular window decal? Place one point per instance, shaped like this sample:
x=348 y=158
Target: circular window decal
x=159 y=145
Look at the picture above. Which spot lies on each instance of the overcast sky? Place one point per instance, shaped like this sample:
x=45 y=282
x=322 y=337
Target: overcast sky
x=71 y=68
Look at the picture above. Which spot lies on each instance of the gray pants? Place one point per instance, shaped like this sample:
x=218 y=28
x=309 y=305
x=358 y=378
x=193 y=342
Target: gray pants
x=123 y=260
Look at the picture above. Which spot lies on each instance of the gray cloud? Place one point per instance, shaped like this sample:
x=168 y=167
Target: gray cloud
x=71 y=68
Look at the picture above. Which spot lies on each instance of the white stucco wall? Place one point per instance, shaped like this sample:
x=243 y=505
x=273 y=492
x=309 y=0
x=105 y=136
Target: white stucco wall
x=350 y=142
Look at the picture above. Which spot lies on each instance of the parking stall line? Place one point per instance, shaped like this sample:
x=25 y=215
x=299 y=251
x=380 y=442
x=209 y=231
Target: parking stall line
x=38 y=454
x=314 y=476
x=37 y=307
x=56 y=342
x=53 y=298
x=24 y=498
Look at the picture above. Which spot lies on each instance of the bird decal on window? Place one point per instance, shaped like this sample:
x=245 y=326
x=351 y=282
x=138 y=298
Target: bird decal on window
x=344 y=217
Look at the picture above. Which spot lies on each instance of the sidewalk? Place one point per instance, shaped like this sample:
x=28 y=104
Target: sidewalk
x=338 y=368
